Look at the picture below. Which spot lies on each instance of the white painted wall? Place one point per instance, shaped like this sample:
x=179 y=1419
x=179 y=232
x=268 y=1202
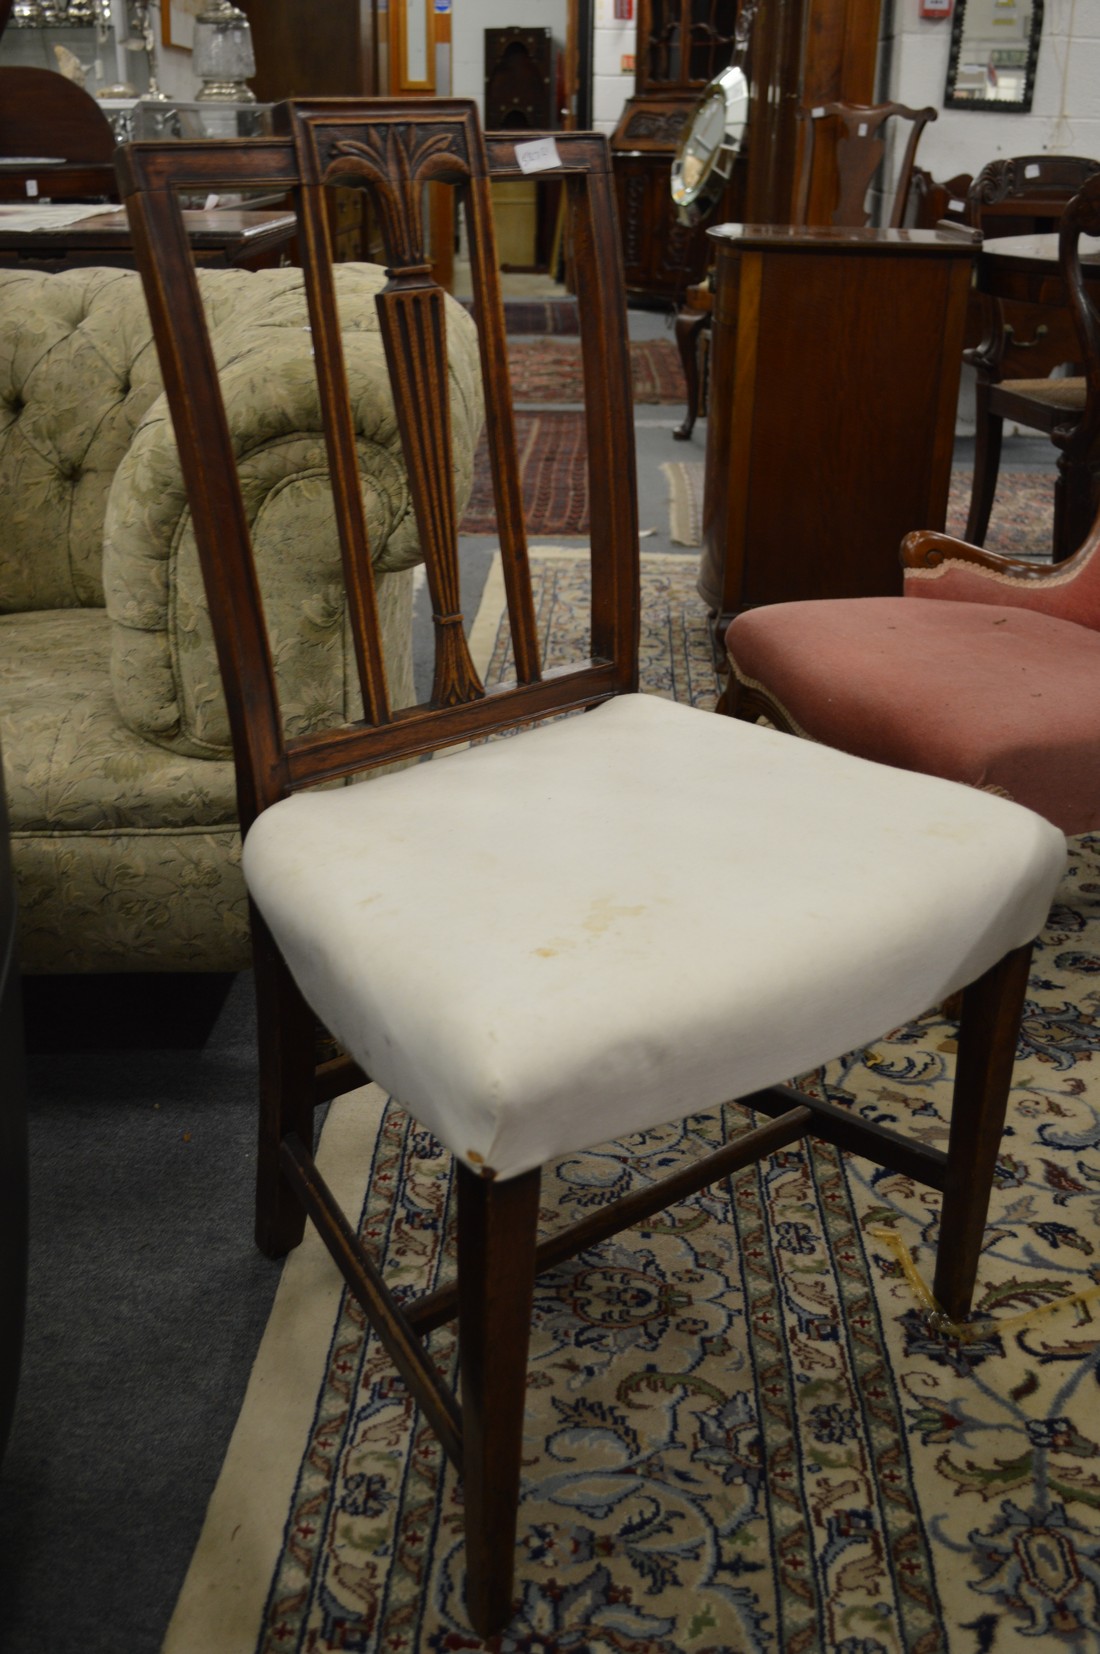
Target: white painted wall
x=1065 y=114
x=469 y=21
x=612 y=40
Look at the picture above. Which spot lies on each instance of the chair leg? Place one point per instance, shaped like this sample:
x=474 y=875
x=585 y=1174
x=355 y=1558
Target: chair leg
x=497 y=1227
x=988 y=1033
x=1074 y=505
x=689 y=328
x=987 y=460
x=287 y=1036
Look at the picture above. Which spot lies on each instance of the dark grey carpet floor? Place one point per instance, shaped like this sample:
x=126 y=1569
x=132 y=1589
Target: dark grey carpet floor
x=147 y=1300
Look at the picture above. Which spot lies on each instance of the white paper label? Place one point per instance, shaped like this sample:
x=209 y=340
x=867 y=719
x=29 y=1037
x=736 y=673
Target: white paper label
x=1031 y=172
x=32 y=186
x=816 y=114
x=956 y=206
x=863 y=130
x=538 y=156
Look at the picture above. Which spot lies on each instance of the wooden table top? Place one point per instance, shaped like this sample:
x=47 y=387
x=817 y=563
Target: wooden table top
x=1039 y=252
x=224 y=236
x=951 y=243
x=204 y=229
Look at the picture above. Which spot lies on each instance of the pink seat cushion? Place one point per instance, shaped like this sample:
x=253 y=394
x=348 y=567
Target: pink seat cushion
x=996 y=697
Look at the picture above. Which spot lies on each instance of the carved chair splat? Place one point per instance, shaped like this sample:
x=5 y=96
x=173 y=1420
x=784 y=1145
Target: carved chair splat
x=535 y=1032
x=858 y=152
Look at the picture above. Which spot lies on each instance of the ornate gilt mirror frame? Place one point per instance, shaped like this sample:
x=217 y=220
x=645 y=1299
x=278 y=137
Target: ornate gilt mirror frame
x=994 y=52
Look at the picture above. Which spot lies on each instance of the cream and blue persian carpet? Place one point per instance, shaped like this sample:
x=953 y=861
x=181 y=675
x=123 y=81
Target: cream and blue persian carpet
x=742 y=1432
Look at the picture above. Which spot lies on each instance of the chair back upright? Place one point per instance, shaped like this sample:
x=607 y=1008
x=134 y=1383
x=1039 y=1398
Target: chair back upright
x=392 y=149
x=857 y=152
x=1022 y=194
x=1080 y=440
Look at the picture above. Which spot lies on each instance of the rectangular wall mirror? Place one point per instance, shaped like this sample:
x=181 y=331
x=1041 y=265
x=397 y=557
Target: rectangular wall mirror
x=994 y=50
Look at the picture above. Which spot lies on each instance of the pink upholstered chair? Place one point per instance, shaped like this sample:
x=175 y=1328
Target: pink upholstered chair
x=996 y=683
x=986 y=671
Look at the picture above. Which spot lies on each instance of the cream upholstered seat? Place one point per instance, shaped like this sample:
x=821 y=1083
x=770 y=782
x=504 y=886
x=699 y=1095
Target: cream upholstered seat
x=600 y=922
x=596 y=927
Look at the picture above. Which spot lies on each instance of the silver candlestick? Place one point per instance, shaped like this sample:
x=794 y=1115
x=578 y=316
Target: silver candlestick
x=145 y=41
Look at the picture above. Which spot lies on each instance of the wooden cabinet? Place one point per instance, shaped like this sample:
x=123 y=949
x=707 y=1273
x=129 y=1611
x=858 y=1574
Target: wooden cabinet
x=681 y=46
x=835 y=374
x=330 y=51
x=801 y=53
x=659 y=253
x=308 y=50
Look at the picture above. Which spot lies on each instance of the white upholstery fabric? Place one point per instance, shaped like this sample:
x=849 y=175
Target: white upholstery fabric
x=624 y=917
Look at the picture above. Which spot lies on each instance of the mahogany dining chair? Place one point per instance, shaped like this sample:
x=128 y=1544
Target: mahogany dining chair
x=603 y=923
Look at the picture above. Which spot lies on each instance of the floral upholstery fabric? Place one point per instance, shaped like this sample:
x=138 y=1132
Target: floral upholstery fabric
x=77 y=372
x=112 y=837
x=112 y=719
x=163 y=663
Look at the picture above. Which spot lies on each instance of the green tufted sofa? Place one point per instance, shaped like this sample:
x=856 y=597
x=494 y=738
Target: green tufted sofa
x=112 y=720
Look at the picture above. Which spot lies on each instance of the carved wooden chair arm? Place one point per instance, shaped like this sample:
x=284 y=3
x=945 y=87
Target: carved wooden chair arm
x=926 y=549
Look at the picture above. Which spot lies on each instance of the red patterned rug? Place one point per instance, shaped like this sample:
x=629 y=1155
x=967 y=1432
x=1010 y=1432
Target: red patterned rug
x=551 y=370
x=553 y=472
x=541 y=316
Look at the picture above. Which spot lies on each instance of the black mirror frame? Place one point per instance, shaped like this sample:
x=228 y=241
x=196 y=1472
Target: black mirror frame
x=1021 y=106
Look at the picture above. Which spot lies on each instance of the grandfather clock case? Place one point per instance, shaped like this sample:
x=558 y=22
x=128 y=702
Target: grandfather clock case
x=681 y=46
x=797 y=53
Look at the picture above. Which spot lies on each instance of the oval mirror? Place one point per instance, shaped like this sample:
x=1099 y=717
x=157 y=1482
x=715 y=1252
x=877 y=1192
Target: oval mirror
x=704 y=161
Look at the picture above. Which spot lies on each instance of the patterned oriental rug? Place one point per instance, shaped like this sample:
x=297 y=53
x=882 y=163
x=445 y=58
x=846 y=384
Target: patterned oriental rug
x=550 y=370
x=744 y=1433
x=1021 y=524
x=541 y=316
x=553 y=477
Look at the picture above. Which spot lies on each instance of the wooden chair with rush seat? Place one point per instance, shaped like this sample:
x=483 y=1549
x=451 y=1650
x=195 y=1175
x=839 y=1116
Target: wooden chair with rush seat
x=1022 y=343
x=603 y=923
x=996 y=685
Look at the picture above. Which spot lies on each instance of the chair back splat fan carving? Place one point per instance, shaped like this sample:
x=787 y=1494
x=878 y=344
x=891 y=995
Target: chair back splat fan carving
x=602 y=924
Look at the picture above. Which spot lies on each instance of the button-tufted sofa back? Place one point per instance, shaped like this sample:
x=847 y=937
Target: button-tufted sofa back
x=77 y=372
x=93 y=510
